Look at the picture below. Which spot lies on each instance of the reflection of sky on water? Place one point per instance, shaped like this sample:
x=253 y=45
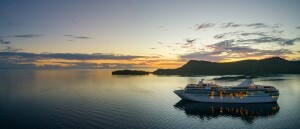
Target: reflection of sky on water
x=95 y=98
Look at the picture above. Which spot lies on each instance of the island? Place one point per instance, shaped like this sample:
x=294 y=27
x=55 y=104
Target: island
x=273 y=65
x=130 y=72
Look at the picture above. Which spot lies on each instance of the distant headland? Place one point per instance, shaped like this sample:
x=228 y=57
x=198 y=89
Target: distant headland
x=273 y=65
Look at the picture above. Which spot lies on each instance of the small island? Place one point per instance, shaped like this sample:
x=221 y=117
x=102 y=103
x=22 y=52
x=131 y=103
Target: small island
x=130 y=72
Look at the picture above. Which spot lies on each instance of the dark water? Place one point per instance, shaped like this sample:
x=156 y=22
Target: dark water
x=96 y=99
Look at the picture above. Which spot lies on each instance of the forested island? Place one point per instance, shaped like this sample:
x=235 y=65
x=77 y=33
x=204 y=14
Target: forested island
x=130 y=72
x=274 y=65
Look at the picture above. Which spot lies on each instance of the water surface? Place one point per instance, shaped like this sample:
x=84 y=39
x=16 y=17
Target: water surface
x=96 y=99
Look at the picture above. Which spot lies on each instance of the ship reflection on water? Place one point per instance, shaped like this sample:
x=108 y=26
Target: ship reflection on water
x=246 y=112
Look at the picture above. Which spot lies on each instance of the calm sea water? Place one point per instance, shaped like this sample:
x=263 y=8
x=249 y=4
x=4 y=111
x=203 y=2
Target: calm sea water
x=96 y=99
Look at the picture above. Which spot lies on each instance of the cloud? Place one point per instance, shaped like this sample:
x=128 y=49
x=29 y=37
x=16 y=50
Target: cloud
x=298 y=27
x=189 y=43
x=79 y=64
x=95 y=56
x=257 y=37
x=219 y=36
x=13 y=24
x=4 y=42
x=77 y=37
x=230 y=46
x=117 y=66
x=257 y=25
x=278 y=40
x=190 y=40
x=277 y=52
x=230 y=49
x=254 y=25
x=254 y=34
x=222 y=44
x=69 y=56
x=277 y=31
x=230 y=24
x=269 y=30
x=233 y=52
x=278 y=25
x=292 y=41
x=209 y=56
x=15 y=59
x=9 y=49
x=25 y=64
x=242 y=43
x=6 y=64
x=224 y=35
x=26 y=36
x=236 y=34
x=245 y=34
x=204 y=25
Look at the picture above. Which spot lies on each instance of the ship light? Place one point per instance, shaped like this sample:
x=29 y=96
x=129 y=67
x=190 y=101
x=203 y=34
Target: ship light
x=274 y=96
x=212 y=94
x=275 y=108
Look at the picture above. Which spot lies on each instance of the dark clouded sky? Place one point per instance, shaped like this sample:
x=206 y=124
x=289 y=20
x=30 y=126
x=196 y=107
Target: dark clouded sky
x=146 y=33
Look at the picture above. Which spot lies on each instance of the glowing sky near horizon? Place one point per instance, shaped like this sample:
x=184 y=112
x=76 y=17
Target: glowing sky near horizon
x=144 y=33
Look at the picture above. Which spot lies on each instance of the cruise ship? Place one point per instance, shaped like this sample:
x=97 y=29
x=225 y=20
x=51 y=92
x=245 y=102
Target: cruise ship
x=246 y=92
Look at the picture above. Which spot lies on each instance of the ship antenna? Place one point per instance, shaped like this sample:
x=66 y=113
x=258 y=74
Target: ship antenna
x=203 y=78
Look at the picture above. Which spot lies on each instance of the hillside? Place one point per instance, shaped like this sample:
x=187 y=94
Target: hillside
x=274 y=65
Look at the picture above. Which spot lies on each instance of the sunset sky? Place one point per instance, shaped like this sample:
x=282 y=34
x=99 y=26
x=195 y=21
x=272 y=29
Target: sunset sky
x=145 y=33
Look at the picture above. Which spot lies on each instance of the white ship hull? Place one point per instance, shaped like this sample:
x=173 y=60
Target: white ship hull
x=217 y=99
